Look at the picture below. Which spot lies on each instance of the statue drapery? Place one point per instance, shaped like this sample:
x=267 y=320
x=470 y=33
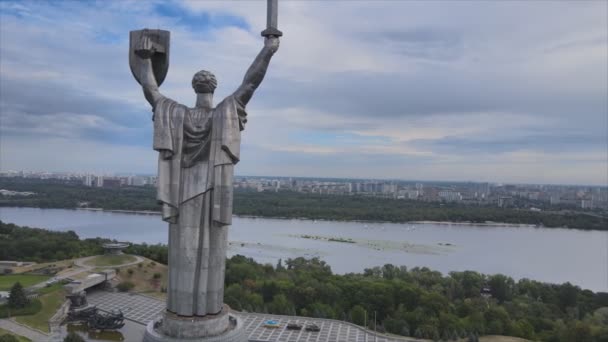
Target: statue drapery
x=198 y=148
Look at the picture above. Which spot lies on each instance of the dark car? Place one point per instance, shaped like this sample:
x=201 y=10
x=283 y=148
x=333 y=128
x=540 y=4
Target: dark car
x=312 y=327
x=294 y=326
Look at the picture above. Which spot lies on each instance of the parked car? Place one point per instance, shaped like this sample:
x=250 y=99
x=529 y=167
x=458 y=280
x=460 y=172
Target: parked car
x=294 y=326
x=312 y=327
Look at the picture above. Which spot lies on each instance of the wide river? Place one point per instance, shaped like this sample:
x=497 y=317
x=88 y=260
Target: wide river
x=550 y=255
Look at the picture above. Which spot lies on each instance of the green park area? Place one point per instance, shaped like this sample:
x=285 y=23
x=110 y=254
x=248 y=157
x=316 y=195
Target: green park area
x=19 y=338
x=111 y=260
x=33 y=312
x=50 y=304
x=27 y=280
x=148 y=277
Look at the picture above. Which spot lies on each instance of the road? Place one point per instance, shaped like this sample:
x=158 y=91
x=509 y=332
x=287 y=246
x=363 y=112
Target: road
x=22 y=330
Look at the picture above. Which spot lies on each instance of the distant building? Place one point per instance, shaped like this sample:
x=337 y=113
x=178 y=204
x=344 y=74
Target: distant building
x=505 y=201
x=138 y=181
x=112 y=183
x=88 y=180
x=450 y=196
x=420 y=188
x=587 y=204
x=7 y=266
x=114 y=248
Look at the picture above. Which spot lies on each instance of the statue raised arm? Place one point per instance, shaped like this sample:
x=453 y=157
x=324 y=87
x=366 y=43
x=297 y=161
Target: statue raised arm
x=256 y=72
x=148 y=83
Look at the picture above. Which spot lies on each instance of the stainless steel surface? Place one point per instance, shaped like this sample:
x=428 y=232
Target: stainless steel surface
x=198 y=148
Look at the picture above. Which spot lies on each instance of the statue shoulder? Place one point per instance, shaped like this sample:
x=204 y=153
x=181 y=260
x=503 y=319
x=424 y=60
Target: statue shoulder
x=165 y=103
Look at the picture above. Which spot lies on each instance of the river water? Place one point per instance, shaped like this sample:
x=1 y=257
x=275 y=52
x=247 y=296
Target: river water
x=545 y=254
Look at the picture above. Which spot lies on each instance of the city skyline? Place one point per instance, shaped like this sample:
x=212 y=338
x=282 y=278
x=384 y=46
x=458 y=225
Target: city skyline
x=492 y=92
x=53 y=174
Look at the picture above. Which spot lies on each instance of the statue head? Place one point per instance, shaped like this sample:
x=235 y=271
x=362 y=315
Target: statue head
x=204 y=82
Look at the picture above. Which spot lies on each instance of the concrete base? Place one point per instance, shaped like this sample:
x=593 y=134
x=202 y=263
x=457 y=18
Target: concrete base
x=223 y=327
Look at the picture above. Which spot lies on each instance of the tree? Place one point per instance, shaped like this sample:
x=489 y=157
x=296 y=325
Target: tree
x=501 y=287
x=8 y=338
x=567 y=295
x=357 y=315
x=281 y=305
x=73 y=337
x=280 y=266
x=17 y=299
x=125 y=286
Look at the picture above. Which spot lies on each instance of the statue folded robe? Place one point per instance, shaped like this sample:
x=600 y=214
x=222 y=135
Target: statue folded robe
x=197 y=151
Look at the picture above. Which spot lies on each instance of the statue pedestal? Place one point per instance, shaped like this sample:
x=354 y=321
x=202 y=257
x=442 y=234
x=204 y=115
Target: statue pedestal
x=222 y=327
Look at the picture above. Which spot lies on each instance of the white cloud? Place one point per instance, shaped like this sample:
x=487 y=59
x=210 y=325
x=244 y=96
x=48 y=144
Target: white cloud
x=448 y=90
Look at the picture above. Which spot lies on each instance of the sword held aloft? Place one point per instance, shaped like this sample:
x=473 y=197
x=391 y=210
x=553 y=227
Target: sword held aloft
x=272 y=18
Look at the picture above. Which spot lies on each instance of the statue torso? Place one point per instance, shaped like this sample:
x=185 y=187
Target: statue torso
x=198 y=123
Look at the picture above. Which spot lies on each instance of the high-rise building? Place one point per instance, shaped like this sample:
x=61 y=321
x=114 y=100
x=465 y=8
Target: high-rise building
x=450 y=196
x=88 y=180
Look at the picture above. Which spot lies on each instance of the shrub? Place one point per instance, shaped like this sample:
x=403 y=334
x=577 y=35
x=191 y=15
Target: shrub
x=157 y=275
x=73 y=337
x=130 y=271
x=125 y=286
x=8 y=338
x=32 y=308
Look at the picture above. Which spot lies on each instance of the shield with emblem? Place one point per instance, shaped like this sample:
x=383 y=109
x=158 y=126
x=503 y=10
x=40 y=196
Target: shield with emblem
x=153 y=44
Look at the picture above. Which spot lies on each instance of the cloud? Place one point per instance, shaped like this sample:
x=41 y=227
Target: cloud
x=503 y=91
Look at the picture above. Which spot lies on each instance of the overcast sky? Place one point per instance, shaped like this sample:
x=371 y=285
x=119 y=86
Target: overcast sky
x=483 y=91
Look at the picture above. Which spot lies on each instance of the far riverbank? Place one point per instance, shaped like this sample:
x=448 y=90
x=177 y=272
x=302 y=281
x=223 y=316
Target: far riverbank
x=481 y=224
x=295 y=205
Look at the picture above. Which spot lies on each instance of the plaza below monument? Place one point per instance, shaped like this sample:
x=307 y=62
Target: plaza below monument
x=142 y=310
x=222 y=327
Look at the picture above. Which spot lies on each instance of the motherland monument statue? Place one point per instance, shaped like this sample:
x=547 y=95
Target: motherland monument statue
x=198 y=148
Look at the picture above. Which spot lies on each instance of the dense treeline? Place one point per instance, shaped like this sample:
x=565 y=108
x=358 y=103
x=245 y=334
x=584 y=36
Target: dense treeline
x=295 y=205
x=312 y=206
x=54 y=194
x=41 y=245
x=420 y=302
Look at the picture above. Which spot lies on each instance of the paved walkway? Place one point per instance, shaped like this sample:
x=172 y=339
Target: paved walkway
x=82 y=262
x=137 y=308
x=83 y=267
x=22 y=330
x=143 y=309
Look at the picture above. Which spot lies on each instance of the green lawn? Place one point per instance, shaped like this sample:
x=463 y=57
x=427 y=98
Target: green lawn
x=19 y=338
x=7 y=281
x=52 y=288
x=50 y=304
x=111 y=260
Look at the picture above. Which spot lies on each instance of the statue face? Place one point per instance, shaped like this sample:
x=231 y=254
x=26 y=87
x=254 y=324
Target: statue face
x=204 y=82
